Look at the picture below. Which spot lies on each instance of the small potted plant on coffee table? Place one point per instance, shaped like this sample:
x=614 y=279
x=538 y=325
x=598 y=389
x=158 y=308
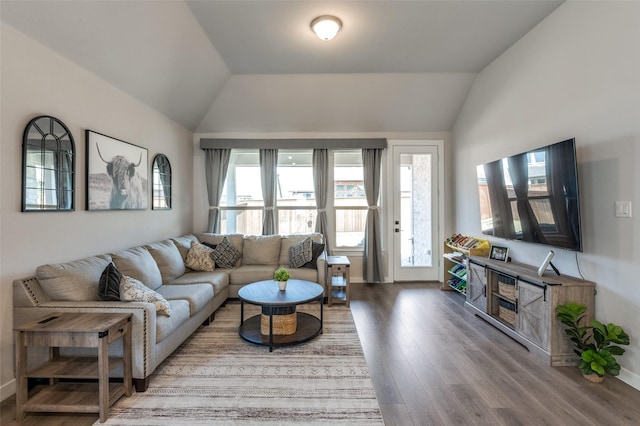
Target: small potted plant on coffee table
x=596 y=344
x=282 y=276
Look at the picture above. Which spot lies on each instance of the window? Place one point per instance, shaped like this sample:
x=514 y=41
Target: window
x=241 y=201
x=350 y=202
x=161 y=183
x=296 y=195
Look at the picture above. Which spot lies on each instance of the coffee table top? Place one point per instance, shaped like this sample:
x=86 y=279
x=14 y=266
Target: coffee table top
x=266 y=293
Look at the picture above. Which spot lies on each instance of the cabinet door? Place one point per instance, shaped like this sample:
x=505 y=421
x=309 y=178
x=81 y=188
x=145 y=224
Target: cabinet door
x=532 y=319
x=477 y=286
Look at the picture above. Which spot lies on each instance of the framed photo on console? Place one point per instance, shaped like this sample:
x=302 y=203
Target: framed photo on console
x=499 y=253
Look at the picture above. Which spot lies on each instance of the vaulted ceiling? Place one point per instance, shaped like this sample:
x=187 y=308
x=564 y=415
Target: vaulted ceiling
x=222 y=66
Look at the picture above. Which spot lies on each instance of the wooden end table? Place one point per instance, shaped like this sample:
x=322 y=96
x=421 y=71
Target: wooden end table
x=75 y=330
x=338 y=277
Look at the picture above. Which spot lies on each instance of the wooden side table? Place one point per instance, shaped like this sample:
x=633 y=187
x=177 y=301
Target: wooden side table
x=338 y=279
x=87 y=330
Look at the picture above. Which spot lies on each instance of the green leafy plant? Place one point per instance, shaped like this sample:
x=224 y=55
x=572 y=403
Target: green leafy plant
x=596 y=344
x=281 y=274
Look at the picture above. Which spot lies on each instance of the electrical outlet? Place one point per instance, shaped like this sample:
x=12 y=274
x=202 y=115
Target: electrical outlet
x=623 y=208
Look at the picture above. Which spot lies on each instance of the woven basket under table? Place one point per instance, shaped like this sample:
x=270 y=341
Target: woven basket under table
x=282 y=324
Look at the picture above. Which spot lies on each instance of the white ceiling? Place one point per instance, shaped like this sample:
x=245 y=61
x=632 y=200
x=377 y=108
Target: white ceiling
x=178 y=56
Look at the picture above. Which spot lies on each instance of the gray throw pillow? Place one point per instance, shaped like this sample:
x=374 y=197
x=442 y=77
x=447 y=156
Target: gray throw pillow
x=316 y=251
x=300 y=254
x=225 y=255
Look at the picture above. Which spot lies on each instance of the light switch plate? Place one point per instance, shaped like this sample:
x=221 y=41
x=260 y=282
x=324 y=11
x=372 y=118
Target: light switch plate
x=623 y=208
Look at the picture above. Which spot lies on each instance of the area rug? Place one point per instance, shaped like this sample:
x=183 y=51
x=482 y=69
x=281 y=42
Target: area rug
x=215 y=378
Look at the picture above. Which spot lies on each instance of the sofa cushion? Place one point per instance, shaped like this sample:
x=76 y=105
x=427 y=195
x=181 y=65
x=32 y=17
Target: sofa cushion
x=109 y=284
x=261 y=249
x=198 y=295
x=74 y=281
x=316 y=251
x=247 y=274
x=167 y=325
x=168 y=258
x=300 y=253
x=290 y=240
x=304 y=274
x=184 y=244
x=132 y=290
x=138 y=263
x=236 y=241
x=218 y=279
x=200 y=258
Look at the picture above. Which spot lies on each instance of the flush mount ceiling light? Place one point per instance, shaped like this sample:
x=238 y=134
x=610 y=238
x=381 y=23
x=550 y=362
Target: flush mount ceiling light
x=326 y=27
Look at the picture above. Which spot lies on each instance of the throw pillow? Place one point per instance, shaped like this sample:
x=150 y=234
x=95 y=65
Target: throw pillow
x=225 y=255
x=316 y=249
x=109 y=284
x=199 y=258
x=301 y=253
x=132 y=290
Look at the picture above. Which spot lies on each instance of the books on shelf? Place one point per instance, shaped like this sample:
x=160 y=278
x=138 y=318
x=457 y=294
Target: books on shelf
x=465 y=242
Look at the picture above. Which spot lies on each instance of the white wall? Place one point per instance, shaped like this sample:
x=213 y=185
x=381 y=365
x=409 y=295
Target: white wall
x=577 y=74
x=36 y=81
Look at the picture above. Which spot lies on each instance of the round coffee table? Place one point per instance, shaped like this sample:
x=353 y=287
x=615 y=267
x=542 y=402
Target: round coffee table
x=276 y=304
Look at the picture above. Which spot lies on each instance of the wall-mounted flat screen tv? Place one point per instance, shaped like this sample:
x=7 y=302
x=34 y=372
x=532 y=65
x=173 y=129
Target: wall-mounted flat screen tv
x=533 y=197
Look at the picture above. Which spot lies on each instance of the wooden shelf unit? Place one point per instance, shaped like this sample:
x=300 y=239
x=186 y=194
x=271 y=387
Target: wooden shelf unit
x=534 y=300
x=455 y=255
x=338 y=277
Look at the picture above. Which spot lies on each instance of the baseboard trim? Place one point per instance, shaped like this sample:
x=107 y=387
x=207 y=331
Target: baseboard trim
x=8 y=390
x=630 y=378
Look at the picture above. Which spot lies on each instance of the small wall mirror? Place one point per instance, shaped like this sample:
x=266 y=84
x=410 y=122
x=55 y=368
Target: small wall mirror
x=48 y=166
x=161 y=183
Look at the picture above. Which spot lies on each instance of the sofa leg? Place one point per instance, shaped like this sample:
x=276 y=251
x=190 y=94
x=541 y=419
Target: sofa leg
x=141 y=384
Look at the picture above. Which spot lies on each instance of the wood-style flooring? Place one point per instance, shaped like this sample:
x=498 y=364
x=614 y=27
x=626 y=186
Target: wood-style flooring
x=434 y=363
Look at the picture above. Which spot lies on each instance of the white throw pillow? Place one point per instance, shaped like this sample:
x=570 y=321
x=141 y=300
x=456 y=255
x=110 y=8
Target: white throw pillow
x=199 y=258
x=132 y=290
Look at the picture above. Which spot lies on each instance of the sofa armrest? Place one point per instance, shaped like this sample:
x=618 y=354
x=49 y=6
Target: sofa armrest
x=143 y=324
x=321 y=266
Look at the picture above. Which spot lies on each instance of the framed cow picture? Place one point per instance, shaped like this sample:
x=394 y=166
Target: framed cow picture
x=117 y=174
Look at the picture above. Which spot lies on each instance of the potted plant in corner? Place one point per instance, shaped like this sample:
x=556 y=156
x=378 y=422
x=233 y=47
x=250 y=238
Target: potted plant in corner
x=282 y=276
x=596 y=344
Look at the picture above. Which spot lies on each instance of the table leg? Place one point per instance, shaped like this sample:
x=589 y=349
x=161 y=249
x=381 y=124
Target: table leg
x=126 y=349
x=21 y=375
x=271 y=331
x=321 y=318
x=241 y=312
x=103 y=378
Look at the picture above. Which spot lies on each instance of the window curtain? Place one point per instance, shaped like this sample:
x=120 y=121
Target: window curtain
x=216 y=165
x=268 y=174
x=372 y=256
x=321 y=186
x=519 y=172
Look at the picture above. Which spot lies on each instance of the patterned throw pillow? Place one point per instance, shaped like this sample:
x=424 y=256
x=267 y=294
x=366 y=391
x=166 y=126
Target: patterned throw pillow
x=199 y=258
x=300 y=254
x=225 y=255
x=109 y=284
x=132 y=290
x=317 y=249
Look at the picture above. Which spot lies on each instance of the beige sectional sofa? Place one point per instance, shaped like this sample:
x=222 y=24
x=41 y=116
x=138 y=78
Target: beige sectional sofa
x=193 y=296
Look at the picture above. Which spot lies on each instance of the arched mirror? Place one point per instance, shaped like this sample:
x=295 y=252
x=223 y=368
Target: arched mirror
x=161 y=183
x=48 y=166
